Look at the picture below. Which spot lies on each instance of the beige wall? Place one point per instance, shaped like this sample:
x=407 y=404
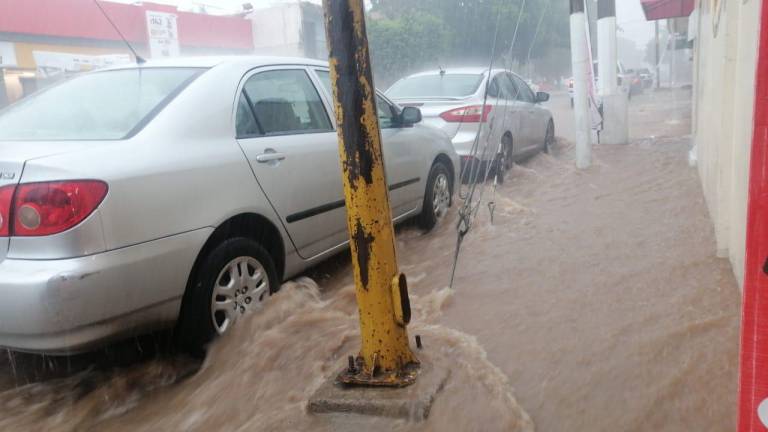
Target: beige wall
x=726 y=55
x=277 y=30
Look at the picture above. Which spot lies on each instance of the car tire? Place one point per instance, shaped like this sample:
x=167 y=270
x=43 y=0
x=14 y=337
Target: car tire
x=504 y=160
x=438 y=196
x=549 y=138
x=203 y=314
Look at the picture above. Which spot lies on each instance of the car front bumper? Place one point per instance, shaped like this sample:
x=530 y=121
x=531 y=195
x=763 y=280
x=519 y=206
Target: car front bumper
x=71 y=305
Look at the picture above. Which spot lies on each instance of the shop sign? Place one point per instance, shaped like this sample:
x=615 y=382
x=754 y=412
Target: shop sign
x=163 y=34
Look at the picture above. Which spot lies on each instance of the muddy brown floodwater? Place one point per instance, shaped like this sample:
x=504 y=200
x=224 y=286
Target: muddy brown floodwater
x=594 y=302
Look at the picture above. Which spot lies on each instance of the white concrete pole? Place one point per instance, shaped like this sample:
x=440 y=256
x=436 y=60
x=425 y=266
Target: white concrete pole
x=606 y=47
x=658 y=66
x=615 y=120
x=579 y=65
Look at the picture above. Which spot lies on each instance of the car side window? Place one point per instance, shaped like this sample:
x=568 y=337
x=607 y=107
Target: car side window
x=245 y=122
x=510 y=90
x=385 y=113
x=286 y=101
x=525 y=94
x=496 y=88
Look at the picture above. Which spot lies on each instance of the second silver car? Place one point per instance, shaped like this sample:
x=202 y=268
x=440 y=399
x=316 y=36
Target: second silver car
x=510 y=120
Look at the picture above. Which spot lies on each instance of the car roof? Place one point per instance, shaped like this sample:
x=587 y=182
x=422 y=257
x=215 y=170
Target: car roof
x=477 y=70
x=212 y=61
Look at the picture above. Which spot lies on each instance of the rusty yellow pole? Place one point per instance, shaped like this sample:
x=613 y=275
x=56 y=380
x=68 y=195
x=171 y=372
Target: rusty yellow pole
x=382 y=297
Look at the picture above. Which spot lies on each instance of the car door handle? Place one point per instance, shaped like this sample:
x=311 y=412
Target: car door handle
x=269 y=157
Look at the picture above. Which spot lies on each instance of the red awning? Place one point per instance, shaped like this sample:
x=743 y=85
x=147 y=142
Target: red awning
x=663 y=9
x=81 y=19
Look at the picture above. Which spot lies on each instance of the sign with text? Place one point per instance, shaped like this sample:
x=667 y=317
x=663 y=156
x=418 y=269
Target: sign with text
x=7 y=55
x=163 y=34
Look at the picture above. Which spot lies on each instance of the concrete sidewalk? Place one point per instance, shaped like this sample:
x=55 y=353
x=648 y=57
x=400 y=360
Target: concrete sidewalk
x=599 y=293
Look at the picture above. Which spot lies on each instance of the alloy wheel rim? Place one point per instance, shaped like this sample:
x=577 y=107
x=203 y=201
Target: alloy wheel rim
x=241 y=286
x=441 y=196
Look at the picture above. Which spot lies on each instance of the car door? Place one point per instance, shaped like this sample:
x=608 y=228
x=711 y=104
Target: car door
x=404 y=153
x=284 y=130
x=539 y=119
x=528 y=113
x=403 y=158
x=498 y=118
x=513 y=110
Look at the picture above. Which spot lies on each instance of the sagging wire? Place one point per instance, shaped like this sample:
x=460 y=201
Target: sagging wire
x=501 y=150
x=139 y=59
x=465 y=212
x=535 y=36
x=468 y=211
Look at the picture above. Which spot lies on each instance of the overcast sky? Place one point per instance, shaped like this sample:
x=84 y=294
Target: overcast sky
x=632 y=23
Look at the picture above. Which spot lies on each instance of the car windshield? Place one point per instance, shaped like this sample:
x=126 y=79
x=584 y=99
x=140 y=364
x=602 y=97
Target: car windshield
x=99 y=106
x=436 y=86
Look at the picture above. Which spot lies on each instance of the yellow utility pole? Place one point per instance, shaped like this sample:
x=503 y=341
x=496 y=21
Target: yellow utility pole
x=385 y=357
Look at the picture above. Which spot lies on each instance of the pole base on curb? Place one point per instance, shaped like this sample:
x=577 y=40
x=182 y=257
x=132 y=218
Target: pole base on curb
x=403 y=378
x=412 y=403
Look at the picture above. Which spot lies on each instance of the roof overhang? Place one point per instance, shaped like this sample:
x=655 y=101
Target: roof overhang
x=665 y=9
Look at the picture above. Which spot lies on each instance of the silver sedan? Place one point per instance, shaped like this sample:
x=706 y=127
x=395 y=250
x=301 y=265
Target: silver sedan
x=512 y=121
x=182 y=192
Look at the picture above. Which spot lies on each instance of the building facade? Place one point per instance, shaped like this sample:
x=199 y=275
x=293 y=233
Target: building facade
x=725 y=64
x=44 y=40
x=295 y=29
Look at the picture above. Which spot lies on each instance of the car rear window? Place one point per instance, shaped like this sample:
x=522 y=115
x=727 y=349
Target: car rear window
x=109 y=105
x=436 y=86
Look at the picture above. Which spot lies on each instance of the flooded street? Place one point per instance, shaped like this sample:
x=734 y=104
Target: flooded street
x=594 y=302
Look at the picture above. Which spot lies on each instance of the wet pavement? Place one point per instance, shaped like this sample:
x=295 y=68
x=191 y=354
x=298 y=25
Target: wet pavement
x=594 y=302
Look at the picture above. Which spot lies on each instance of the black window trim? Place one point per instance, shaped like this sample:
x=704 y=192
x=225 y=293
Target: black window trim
x=248 y=102
x=395 y=114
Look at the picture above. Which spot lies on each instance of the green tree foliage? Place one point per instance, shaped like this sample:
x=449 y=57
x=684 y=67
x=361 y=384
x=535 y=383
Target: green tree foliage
x=461 y=32
x=406 y=43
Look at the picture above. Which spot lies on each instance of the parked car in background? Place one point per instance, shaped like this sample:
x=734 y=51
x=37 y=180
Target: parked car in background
x=182 y=192
x=453 y=101
x=646 y=76
x=632 y=76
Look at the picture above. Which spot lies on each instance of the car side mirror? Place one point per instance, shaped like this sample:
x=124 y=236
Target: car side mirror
x=410 y=116
x=542 y=97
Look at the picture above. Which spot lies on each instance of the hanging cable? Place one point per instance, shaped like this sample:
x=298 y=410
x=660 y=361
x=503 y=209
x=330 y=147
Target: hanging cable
x=501 y=150
x=465 y=212
x=469 y=209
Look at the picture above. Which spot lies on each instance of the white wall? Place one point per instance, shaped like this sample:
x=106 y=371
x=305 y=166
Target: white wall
x=277 y=30
x=292 y=29
x=725 y=64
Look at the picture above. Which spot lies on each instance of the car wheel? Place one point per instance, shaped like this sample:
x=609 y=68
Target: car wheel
x=503 y=160
x=437 y=197
x=233 y=280
x=549 y=138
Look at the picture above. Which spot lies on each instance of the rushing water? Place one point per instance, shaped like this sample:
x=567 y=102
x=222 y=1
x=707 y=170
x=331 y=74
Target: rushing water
x=594 y=302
